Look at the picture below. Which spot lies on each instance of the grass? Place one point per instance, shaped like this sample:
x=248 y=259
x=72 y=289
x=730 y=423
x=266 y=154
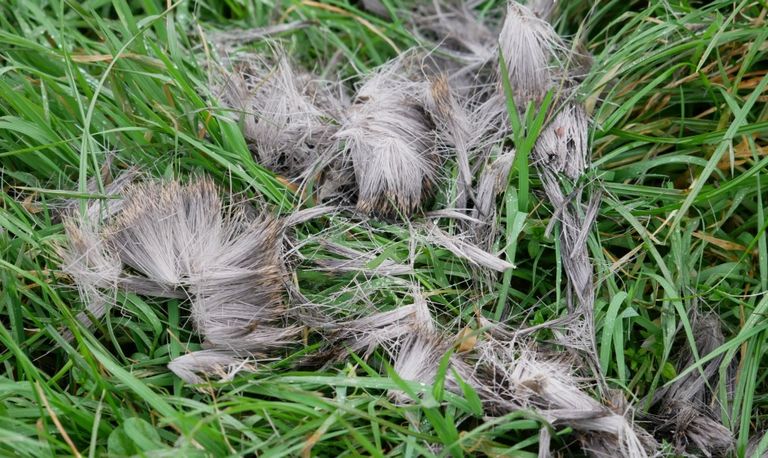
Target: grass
x=680 y=150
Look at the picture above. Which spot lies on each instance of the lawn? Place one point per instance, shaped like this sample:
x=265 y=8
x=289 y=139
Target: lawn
x=676 y=92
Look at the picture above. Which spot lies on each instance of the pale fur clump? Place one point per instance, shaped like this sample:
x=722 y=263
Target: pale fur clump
x=537 y=63
x=457 y=134
x=200 y=366
x=563 y=145
x=526 y=378
x=227 y=260
x=378 y=330
x=530 y=46
x=288 y=115
x=687 y=412
x=510 y=374
x=171 y=239
x=390 y=141
x=467 y=250
x=94 y=268
x=468 y=43
x=88 y=257
x=493 y=181
x=543 y=9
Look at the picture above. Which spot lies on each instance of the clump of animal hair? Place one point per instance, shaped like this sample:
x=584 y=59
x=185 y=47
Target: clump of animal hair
x=453 y=123
x=492 y=182
x=201 y=366
x=513 y=375
x=543 y=9
x=353 y=261
x=87 y=257
x=390 y=140
x=94 y=268
x=687 y=411
x=383 y=329
x=523 y=376
x=417 y=351
x=288 y=115
x=536 y=57
x=529 y=46
x=173 y=239
x=563 y=145
x=459 y=246
x=464 y=45
x=226 y=258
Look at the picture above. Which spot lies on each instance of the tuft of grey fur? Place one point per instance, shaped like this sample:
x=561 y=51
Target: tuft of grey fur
x=417 y=358
x=180 y=240
x=227 y=259
x=355 y=261
x=523 y=377
x=576 y=222
x=288 y=116
x=467 y=43
x=94 y=268
x=687 y=412
x=453 y=124
x=87 y=258
x=416 y=353
x=382 y=329
x=514 y=375
x=467 y=250
x=535 y=56
x=197 y=367
x=529 y=46
x=543 y=9
x=307 y=214
x=563 y=145
x=161 y=229
x=390 y=141
x=493 y=181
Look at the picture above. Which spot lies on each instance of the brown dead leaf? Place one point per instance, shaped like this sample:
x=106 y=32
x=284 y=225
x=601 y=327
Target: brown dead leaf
x=741 y=154
x=292 y=186
x=724 y=244
x=467 y=340
x=94 y=58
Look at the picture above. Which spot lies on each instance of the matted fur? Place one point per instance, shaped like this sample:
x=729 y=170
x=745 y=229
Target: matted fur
x=467 y=44
x=523 y=377
x=198 y=367
x=180 y=240
x=288 y=115
x=529 y=46
x=390 y=140
x=227 y=260
x=493 y=181
x=466 y=250
x=94 y=268
x=87 y=257
x=543 y=8
x=456 y=132
x=356 y=262
x=687 y=412
x=511 y=374
x=563 y=145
